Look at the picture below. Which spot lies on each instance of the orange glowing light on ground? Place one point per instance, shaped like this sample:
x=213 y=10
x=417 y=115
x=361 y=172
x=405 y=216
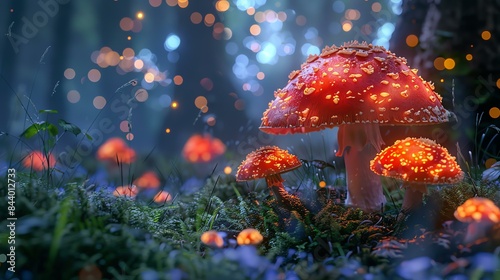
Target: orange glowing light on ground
x=37 y=161
x=162 y=197
x=202 y=148
x=127 y=191
x=212 y=238
x=116 y=149
x=249 y=236
x=148 y=180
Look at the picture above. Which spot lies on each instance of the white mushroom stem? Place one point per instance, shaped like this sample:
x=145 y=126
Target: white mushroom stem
x=413 y=197
x=361 y=142
x=477 y=230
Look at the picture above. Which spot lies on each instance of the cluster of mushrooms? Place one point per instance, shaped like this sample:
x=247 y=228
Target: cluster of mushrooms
x=357 y=87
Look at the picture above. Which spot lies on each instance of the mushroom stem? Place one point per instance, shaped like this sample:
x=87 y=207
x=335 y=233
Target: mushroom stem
x=477 y=230
x=361 y=142
x=284 y=199
x=413 y=197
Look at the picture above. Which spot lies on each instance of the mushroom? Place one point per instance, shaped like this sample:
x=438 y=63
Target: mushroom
x=212 y=238
x=37 y=161
x=417 y=162
x=148 y=180
x=129 y=191
x=249 y=236
x=115 y=149
x=356 y=87
x=202 y=148
x=269 y=162
x=481 y=214
x=162 y=197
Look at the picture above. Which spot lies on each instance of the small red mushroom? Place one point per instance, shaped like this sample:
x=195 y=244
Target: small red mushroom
x=249 y=236
x=417 y=162
x=37 y=161
x=129 y=191
x=356 y=87
x=148 y=180
x=270 y=162
x=481 y=214
x=162 y=197
x=202 y=148
x=115 y=149
x=212 y=238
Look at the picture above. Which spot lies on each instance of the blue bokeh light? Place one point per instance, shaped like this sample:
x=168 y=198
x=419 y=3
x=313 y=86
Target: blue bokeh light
x=172 y=42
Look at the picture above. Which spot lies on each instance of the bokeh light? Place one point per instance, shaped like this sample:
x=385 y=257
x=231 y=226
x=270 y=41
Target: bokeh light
x=449 y=63
x=99 y=102
x=489 y=162
x=196 y=18
x=469 y=57
x=94 y=75
x=494 y=112
x=69 y=73
x=73 y=96
x=172 y=42
x=486 y=35
x=439 y=63
x=228 y=170
x=412 y=40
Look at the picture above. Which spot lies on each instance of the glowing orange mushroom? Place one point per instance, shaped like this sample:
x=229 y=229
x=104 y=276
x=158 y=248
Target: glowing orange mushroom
x=481 y=214
x=148 y=180
x=127 y=191
x=249 y=236
x=212 y=238
x=37 y=161
x=202 y=148
x=162 y=197
x=115 y=149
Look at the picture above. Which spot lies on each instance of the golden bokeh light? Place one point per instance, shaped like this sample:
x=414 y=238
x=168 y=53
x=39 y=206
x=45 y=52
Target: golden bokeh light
x=322 y=184
x=99 y=102
x=222 y=5
x=228 y=170
x=469 y=57
x=167 y=130
x=449 y=63
x=347 y=26
x=200 y=102
x=494 y=112
x=255 y=29
x=498 y=83
x=138 y=64
x=486 y=35
x=183 y=3
x=489 y=162
x=174 y=105
x=412 y=40
x=69 y=73
x=149 y=77
x=439 y=63
x=139 y=15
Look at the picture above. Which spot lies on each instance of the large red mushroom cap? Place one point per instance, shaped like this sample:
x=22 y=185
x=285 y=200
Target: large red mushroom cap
x=417 y=160
x=352 y=84
x=37 y=161
x=266 y=161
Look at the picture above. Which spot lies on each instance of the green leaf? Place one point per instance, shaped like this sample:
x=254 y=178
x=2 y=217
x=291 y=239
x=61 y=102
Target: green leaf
x=48 y=111
x=33 y=129
x=89 y=137
x=53 y=131
x=70 y=127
